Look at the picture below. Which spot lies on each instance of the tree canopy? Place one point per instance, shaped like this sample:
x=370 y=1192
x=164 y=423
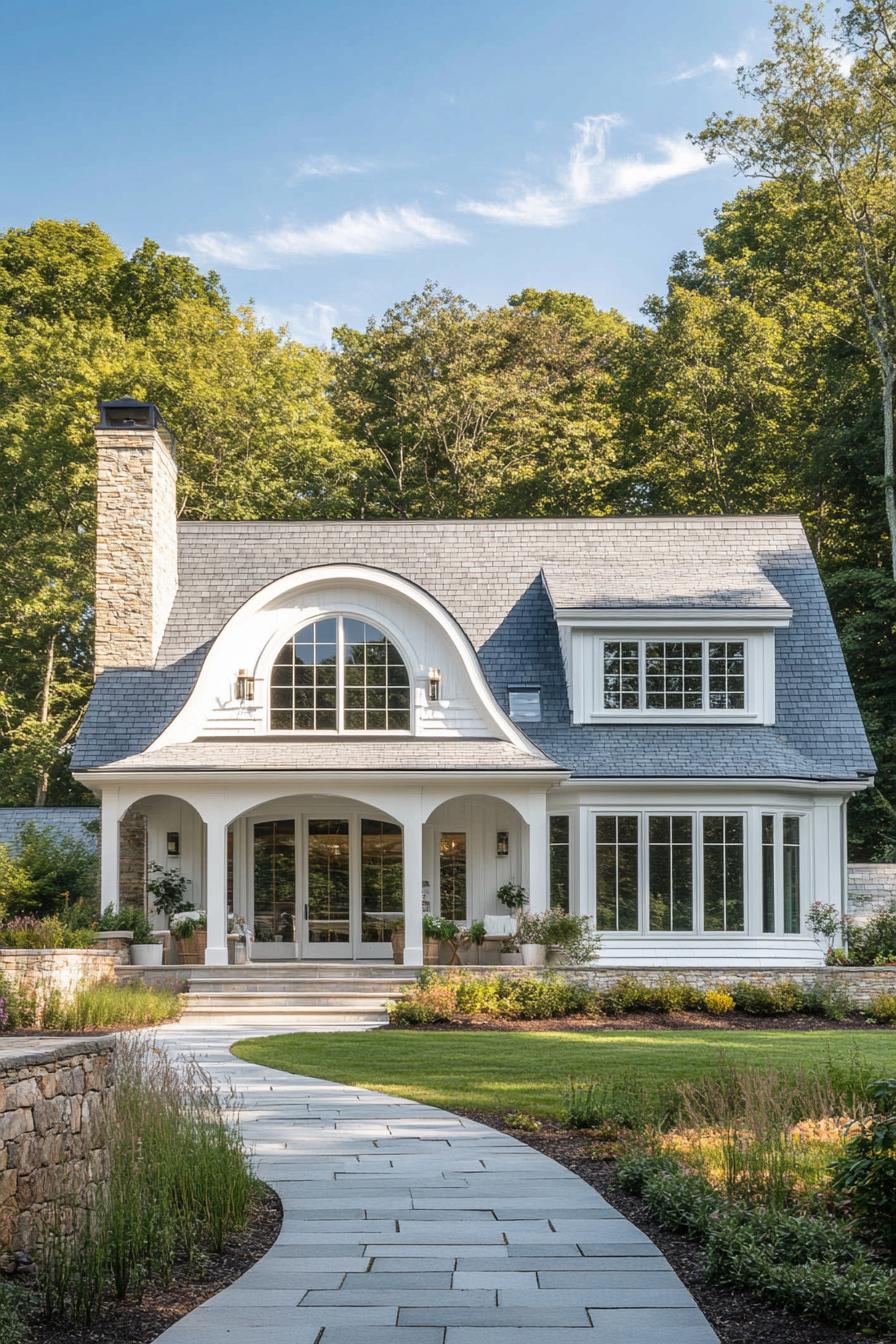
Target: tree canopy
x=757 y=381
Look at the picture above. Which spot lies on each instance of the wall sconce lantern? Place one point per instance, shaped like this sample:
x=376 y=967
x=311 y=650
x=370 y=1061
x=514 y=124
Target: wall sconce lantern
x=245 y=685
x=173 y=842
x=435 y=683
x=503 y=842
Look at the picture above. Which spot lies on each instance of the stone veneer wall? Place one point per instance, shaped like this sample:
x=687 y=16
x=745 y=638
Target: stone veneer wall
x=53 y=1109
x=862 y=983
x=132 y=858
x=136 y=546
x=40 y=972
x=870 y=886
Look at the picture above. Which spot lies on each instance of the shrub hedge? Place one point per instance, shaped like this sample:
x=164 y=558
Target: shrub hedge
x=442 y=998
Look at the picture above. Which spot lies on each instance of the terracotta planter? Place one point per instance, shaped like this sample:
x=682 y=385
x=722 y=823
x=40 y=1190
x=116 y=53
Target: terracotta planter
x=191 y=951
x=398 y=946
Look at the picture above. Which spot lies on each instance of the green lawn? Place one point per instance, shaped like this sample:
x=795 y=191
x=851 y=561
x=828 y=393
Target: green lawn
x=527 y=1071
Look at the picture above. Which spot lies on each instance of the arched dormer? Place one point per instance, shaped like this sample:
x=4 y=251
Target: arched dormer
x=425 y=636
x=340 y=674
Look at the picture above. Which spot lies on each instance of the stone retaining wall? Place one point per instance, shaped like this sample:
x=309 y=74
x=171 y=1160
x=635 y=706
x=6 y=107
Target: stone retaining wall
x=861 y=983
x=53 y=1108
x=39 y=972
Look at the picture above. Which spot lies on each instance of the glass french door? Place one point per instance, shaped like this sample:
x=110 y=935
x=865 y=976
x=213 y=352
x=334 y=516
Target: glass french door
x=325 y=887
x=274 y=885
x=328 y=891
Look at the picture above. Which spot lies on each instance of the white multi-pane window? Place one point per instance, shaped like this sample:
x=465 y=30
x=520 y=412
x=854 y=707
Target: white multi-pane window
x=340 y=674
x=673 y=675
x=661 y=873
x=723 y=874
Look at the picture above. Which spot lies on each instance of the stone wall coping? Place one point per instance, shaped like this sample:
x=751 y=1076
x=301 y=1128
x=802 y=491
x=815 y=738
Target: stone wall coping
x=878 y=867
x=103 y=935
x=51 y=1051
x=26 y=952
x=782 y=971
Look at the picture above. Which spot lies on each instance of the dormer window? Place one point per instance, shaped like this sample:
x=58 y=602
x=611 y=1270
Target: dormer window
x=340 y=674
x=672 y=675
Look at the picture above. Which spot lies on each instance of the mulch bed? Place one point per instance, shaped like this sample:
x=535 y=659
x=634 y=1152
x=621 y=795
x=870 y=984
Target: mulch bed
x=736 y=1316
x=139 y=1319
x=649 y=1022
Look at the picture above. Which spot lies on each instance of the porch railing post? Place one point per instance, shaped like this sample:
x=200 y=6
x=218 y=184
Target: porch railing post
x=413 y=891
x=216 y=889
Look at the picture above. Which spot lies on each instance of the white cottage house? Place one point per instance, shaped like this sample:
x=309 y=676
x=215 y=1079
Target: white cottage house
x=327 y=726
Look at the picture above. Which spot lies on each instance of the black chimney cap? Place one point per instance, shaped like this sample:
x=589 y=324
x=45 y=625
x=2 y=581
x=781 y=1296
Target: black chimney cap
x=129 y=413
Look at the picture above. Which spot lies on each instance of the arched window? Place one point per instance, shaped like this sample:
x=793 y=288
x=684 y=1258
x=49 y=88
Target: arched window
x=340 y=674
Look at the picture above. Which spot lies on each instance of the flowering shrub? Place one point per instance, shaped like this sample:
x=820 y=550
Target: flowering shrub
x=718 y=1002
x=26 y=931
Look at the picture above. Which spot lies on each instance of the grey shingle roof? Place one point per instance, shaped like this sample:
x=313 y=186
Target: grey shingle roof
x=624 y=583
x=64 y=821
x=308 y=753
x=489 y=577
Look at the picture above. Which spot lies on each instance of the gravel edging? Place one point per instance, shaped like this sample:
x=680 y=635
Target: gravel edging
x=738 y=1317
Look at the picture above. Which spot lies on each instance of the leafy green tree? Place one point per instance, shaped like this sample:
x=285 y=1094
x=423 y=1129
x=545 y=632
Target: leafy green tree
x=826 y=114
x=464 y=412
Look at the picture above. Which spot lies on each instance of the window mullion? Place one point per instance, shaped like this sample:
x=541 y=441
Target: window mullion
x=642 y=676
x=704 y=678
x=340 y=676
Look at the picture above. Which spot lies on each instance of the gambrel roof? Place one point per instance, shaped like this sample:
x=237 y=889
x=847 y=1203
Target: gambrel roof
x=498 y=580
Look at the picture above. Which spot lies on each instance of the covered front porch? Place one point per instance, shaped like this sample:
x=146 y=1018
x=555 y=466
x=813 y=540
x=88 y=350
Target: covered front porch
x=328 y=869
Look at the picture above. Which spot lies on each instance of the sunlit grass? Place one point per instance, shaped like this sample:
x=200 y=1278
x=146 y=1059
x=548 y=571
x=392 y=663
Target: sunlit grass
x=498 y=1071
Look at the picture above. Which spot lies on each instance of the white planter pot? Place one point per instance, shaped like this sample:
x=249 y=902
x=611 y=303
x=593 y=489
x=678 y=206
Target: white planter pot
x=533 y=954
x=511 y=959
x=146 y=954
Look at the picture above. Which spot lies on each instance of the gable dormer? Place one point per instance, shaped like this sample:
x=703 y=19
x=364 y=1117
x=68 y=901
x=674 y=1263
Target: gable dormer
x=644 y=643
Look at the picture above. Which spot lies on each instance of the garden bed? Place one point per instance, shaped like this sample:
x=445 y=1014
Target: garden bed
x=142 y=1317
x=650 y=1022
x=736 y=1316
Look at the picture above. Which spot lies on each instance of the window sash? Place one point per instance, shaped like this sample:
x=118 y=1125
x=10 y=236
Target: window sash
x=559 y=861
x=363 y=686
x=723 y=872
x=642 y=676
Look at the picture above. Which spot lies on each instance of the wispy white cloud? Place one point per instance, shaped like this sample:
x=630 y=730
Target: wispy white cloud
x=328 y=165
x=355 y=233
x=591 y=177
x=312 y=323
x=716 y=65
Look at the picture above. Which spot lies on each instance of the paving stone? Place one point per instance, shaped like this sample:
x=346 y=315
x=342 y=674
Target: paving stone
x=405 y=1225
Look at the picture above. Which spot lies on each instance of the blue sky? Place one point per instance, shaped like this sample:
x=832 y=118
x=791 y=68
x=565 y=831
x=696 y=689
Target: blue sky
x=327 y=157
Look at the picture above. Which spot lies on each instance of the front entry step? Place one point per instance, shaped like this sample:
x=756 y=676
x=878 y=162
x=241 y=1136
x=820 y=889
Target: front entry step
x=302 y=994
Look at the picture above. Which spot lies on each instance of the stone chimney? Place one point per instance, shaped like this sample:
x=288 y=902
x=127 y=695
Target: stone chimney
x=136 y=533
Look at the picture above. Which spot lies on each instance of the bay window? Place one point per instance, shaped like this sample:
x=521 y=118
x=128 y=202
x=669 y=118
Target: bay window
x=723 y=874
x=671 y=873
x=617 y=874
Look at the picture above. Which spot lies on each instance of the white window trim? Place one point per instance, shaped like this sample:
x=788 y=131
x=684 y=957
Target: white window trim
x=340 y=730
x=752 y=869
x=588 y=676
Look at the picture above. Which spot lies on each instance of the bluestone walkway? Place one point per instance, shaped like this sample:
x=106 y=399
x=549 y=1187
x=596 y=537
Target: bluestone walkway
x=404 y=1224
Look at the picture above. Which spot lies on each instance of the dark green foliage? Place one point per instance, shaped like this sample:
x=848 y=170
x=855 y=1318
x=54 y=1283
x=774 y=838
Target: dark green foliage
x=828 y=999
x=624 y=1101
x=767 y=1000
x=810 y=1265
x=127 y=917
x=629 y=995
x=865 y=1173
x=439 y=998
x=53 y=872
x=874 y=943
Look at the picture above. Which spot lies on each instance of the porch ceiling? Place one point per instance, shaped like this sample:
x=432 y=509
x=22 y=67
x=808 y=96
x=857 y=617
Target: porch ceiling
x=324 y=755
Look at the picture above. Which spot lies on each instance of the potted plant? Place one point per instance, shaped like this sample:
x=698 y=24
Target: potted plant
x=398 y=942
x=532 y=936
x=514 y=898
x=168 y=889
x=570 y=939
x=471 y=944
x=189 y=932
x=145 y=949
x=435 y=933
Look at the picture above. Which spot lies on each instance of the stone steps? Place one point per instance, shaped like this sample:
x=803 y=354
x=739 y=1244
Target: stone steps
x=306 y=994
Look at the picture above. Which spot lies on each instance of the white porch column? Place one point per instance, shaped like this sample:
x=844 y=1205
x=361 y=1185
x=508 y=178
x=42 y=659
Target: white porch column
x=413 y=888
x=216 y=888
x=537 y=819
x=109 y=848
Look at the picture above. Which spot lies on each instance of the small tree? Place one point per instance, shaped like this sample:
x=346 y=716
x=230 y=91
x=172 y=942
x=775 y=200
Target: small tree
x=168 y=889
